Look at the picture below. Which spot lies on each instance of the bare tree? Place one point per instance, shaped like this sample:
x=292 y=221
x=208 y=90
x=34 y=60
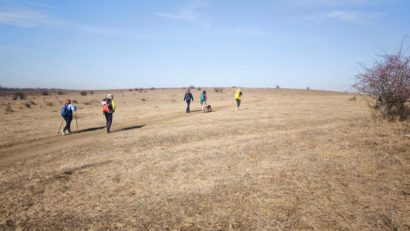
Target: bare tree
x=387 y=82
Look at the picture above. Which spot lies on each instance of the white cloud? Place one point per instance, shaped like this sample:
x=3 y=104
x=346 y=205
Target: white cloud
x=25 y=18
x=187 y=15
x=347 y=16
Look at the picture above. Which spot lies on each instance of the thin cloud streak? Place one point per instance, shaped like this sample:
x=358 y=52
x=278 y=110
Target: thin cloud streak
x=25 y=18
x=357 y=17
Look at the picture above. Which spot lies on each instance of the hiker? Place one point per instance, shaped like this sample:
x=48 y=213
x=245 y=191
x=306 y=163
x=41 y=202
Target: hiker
x=238 y=97
x=108 y=109
x=203 y=98
x=67 y=113
x=188 y=98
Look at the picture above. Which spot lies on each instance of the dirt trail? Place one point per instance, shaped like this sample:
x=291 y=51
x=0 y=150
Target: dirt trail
x=58 y=142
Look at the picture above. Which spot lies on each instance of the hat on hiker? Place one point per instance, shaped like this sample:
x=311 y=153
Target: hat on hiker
x=67 y=101
x=110 y=96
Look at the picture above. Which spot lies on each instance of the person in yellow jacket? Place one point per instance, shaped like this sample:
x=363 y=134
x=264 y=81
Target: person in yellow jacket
x=108 y=109
x=238 y=97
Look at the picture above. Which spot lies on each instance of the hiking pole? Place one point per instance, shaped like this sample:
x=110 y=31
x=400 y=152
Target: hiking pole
x=76 y=123
x=58 y=132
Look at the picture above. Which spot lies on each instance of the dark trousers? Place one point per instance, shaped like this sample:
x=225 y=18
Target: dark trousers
x=108 y=118
x=188 y=102
x=68 y=120
x=238 y=103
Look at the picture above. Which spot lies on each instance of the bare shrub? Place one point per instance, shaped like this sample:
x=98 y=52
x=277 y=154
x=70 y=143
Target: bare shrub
x=143 y=100
x=152 y=88
x=8 y=109
x=387 y=82
x=353 y=98
x=49 y=104
x=28 y=105
x=83 y=93
x=130 y=90
x=33 y=103
x=92 y=92
x=19 y=95
x=308 y=88
x=45 y=93
x=60 y=93
x=198 y=88
x=218 y=89
x=277 y=87
x=88 y=103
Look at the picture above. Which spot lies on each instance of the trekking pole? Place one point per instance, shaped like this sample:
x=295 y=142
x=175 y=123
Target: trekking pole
x=76 y=123
x=58 y=132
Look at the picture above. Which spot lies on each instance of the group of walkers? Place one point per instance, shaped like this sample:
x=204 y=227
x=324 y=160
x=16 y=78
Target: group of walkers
x=108 y=108
x=188 y=98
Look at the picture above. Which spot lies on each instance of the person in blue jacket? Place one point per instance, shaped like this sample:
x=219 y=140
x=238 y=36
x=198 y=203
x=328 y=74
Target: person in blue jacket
x=67 y=113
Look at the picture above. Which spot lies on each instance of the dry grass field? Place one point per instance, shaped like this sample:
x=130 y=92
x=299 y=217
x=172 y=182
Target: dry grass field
x=288 y=160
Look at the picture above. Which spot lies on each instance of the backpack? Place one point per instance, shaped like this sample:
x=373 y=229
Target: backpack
x=65 y=111
x=203 y=97
x=106 y=105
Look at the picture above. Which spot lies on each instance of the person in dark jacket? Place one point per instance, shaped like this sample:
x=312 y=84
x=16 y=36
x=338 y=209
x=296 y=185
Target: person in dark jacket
x=67 y=113
x=188 y=98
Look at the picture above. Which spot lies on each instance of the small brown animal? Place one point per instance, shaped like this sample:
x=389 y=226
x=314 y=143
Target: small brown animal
x=207 y=108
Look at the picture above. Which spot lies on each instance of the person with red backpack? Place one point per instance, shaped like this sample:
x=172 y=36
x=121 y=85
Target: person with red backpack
x=108 y=108
x=67 y=113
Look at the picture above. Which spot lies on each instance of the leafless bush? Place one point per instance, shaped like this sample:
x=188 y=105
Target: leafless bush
x=308 y=88
x=60 y=93
x=88 y=103
x=152 y=88
x=387 y=82
x=19 y=95
x=33 y=103
x=44 y=93
x=92 y=92
x=277 y=87
x=28 y=105
x=8 y=109
x=218 y=89
x=143 y=100
x=353 y=98
x=198 y=88
x=84 y=93
x=49 y=104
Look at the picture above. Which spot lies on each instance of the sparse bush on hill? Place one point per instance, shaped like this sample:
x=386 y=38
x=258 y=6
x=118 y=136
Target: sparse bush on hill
x=91 y=92
x=83 y=93
x=60 y=93
x=19 y=95
x=198 y=88
x=387 y=82
x=218 y=89
x=28 y=105
x=44 y=93
x=277 y=87
x=152 y=88
x=308 y=88
x=353 y=98
x=49 y=104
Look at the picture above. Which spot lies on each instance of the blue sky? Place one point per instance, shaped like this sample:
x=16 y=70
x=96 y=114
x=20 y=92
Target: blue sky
x=99 y=44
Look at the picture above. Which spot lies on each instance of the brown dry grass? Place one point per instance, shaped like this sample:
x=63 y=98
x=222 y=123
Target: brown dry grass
x=290 y=160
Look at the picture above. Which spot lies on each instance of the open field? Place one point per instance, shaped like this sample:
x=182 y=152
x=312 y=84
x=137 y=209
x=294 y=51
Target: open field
x=289 y=160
